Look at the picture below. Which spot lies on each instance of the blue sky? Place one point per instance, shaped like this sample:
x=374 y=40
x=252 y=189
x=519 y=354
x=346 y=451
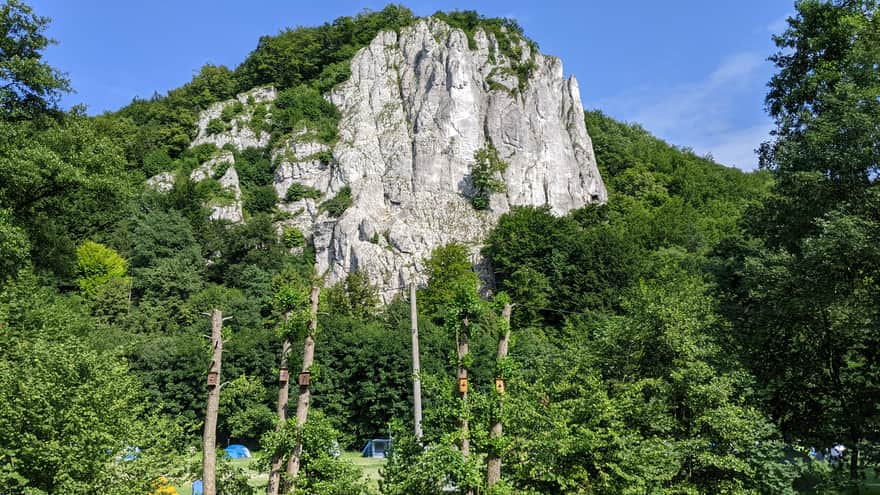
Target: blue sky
x=693 y=72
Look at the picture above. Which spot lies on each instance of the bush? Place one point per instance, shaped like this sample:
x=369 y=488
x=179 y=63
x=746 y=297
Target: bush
x=156 y=161
x=211 y=191
x=220 y=170
x=325 y=157
x=216 y=126
x=294 y=238
x=231 y=111
x=487 y=165
x=336 y=206
x=260 y=199
x=97 y=265
x=321 y=473
x=303 y=107
x=298 y=191
x=413 y=469
x=254 y=167
x=258 y=121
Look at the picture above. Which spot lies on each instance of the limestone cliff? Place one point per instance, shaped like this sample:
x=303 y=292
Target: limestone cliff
x=416 y=108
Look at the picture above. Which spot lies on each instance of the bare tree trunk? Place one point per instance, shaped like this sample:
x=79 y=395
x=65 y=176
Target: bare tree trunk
x=209 y=438
x=462 y=377
x=494 y=470
x=854 y=473
x=417 y=381
x=302 y=404
x=283 y=392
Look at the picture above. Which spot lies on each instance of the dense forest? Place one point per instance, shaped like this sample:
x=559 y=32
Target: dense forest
x=704 y=331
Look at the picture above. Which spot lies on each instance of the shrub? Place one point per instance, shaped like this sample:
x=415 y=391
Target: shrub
x=337 y=205
x=231 y=111
x=303 y=107
x=220 y=170
x=200 y=153
x=298 y=191
x=216 y=126
x=487 y=165
x=294 y=238
x=156 y=161
x=254 y=167
x=325 y=157
x=211 y=191
x=97 y=265
x=321 y=473
x=258 y=121
x=260 y=198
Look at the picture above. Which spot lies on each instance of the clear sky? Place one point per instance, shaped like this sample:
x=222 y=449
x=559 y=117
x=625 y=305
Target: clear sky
x=693 y=72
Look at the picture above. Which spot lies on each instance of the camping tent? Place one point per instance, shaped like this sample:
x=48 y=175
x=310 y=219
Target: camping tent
x=377 y=447
x=236 y=451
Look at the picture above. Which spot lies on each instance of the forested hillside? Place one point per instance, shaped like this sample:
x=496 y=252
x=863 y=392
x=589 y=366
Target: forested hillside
x=700 y=332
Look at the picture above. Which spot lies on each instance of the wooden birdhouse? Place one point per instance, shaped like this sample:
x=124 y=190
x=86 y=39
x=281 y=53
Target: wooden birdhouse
x=462 y=385
x=499 y=385
x=283 y=375
x=213 y=378
x=305 y=378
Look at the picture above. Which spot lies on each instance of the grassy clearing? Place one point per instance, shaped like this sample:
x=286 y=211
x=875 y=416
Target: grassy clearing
x=256 y=479
x=368 y=466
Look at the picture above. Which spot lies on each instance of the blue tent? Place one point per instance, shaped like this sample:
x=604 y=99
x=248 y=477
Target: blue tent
x=236 y=451
x=197 y=488
x=377 y=447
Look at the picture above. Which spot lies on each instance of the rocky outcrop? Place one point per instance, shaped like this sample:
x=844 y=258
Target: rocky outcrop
x=228 y=209
x=207 y=169
x=228 y=205
x=415 y=110
x=240 y=133
x=417 y=107
x=162 y=182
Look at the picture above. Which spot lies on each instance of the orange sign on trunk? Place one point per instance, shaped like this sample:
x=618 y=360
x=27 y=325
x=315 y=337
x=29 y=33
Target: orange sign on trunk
x=499 y=385
x=305 y=379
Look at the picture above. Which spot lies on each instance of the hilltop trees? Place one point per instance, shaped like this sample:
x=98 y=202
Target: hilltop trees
x=29 y=87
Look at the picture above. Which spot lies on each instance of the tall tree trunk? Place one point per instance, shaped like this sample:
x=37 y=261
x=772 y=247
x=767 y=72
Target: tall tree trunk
x=854 y=473
x=283 y=392
x=462 y=375
x=464 y=425
x=302 y=404
x=417 y=381
x=494 y=465
x=209 y=438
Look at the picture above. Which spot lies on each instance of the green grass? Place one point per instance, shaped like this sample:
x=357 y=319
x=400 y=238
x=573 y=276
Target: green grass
x=370 y=474
x=369 y=468
x=255 y=478
x=870 y=486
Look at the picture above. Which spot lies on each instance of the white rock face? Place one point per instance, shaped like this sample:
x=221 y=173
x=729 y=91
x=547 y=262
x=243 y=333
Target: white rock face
x=241 y=135
x=225 y=209
x=302 y=163
x=415 y=110
x=206 y=170
x=230 y=211
x=162 y=182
